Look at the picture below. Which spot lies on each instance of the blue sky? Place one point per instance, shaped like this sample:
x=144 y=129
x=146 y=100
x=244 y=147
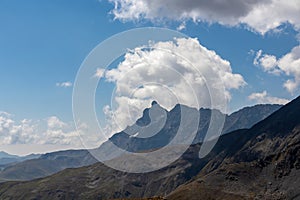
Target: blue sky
x=44 y=42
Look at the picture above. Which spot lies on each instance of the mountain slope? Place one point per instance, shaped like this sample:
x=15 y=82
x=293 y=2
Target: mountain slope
x=248 y=116
x=100 y=182
x=47 y=164
x=263 y=164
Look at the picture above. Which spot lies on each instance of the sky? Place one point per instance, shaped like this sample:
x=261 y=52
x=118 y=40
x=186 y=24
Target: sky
x=43 y=43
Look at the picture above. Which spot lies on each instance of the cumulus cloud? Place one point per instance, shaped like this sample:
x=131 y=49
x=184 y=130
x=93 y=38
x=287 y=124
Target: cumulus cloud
x=12 y=132
x=265 y=98
x=170 y=72
x=288 y=64
x=59 y=132
x=48 y=131
x=64 y=84
x=259 y=15
x=55 y=122
x=267 y=62
x=272 y=14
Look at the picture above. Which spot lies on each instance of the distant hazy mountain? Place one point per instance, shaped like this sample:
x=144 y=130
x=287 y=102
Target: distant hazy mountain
x=248 y=116
x=54 y=162
x=262 y=162
x=46 y=164
x=6 y=155
x=6 y=159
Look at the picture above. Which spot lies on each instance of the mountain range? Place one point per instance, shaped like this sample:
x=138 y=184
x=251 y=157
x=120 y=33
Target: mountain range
x=51 y=163
x=261 y=162
x=244 y=118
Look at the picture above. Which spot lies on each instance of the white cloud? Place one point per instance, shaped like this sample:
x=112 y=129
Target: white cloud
x=288 y=64
x=169 y=72
x=59 y=132
x=265 y=98
x=38 y=132
x=257 y=57
x=258 y=15
x=64 y=84
x=99 y=73
x=55 y=122
x=267 y=62
x=272 y=14
x=181 y=27
x=291 y=85
x=12 y=132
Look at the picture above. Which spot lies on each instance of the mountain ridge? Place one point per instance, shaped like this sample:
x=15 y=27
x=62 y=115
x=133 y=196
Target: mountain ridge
x=244 y=118
x=54 y=162
x=98 y=181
